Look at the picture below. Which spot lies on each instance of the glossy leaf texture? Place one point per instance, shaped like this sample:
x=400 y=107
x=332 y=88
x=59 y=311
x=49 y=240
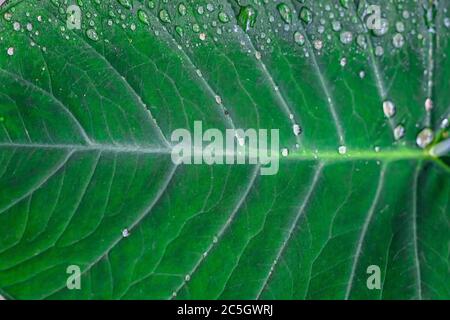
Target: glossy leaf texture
x=86 y=176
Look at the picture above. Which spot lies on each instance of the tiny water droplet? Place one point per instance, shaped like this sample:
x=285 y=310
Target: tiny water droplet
x=10 y=51
x=285 y=152
x=125 y=233
x=297 y=129
x=342 y=150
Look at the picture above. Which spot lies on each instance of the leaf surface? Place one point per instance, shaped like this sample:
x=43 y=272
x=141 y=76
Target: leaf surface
x=86 y=118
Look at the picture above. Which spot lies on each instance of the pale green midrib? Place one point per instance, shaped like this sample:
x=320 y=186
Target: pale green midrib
x=298 y=155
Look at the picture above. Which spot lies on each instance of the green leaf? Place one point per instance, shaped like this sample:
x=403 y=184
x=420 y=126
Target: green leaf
x=86 y=176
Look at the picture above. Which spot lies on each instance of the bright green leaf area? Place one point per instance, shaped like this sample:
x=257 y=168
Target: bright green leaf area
x=86 y=117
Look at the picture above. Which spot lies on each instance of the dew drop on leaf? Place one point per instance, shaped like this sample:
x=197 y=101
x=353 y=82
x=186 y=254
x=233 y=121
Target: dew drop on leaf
x=389 y=109
x=299 y=38
x=92 y=34
x=223 y=17
x=285 y=12
x=399 y=132
x=142 y=16
x=164 y=16
x=247 y=17
x=424 y=138
x=182 y=9
x=306 y=15
x=125 y=3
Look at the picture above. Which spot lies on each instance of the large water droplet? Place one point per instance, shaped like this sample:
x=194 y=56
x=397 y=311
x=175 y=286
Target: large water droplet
x=424 y=138
x=247 y=17
x=285 y=12
x=142 y=16
x=164 y=16
x=306 y=15
x=182 y=9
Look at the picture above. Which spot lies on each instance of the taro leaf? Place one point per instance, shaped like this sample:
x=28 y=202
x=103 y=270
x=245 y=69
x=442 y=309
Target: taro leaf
x=86 y=176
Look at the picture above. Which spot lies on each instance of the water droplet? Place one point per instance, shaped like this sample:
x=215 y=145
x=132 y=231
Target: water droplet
x=342 y=150
x=125 y=233
x=346 y=37
x=299 y=38
x=10 y=51
x=285 y=12
x=399 y=132
x=297 y=129
x=344 y=3
x=125 y=3
x=424 y=138
x=182 y=10
x=399 y=26
x=285 y=152
x=223 y=17
x=361 y=41
x=247 y=17
x=336 y=25
x=164 y=16
x=16 y=26
x=142 y=16
x=202 y=36
x=318 y=44
x=384 y=27
x=388 y=109
x=343 y=62
x=92 y=34
x=179 y=30
x=306 y=15
x=187 y=278
x=398 y=40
